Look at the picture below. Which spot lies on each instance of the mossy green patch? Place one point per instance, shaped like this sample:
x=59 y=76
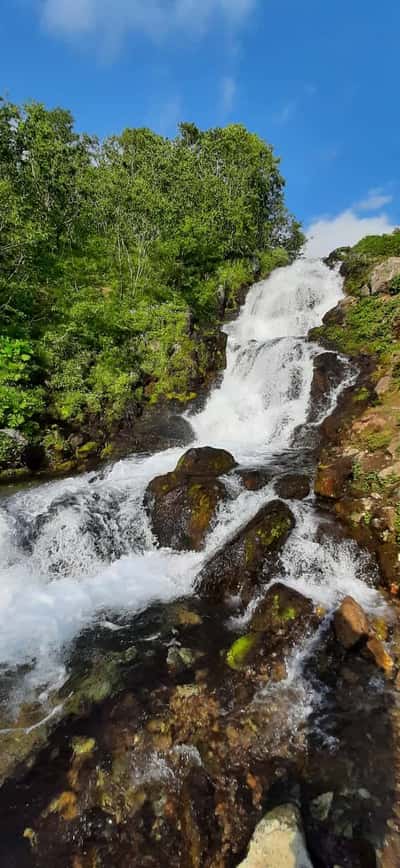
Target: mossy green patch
x=238 y=653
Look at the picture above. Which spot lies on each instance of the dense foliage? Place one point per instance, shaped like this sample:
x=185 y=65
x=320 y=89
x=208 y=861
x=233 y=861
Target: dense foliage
x=113 y=255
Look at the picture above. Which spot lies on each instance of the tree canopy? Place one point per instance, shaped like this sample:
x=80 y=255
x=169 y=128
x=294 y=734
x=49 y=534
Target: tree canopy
x=106 y=249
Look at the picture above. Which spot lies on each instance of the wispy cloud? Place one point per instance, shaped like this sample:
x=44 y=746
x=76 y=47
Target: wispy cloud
x=228 y=93
x=326 y=233
x=285 y=114
x=111 y=20
x=375 y=200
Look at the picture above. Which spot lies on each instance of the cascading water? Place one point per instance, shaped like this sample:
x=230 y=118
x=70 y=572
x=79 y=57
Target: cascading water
x=77 y=550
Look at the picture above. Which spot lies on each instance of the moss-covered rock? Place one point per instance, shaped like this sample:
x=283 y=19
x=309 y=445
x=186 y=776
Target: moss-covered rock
x=182 y=504
x=238 y=567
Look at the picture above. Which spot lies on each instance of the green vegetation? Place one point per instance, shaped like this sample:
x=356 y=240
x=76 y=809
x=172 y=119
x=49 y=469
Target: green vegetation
x=115 y=260
x=238 y=652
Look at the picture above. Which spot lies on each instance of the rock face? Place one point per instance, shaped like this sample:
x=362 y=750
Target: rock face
x=383 y=275
x=278 y=841
x=350 y=623
x=237 y=568
x=293 y=486
x=182 y=504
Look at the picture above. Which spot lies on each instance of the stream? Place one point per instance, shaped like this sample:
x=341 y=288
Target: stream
x=78 y=558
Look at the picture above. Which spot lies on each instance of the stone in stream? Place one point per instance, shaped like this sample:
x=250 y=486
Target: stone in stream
x=278 y=841
x=237 y=568
x=350 y=624
x=282 y=619
x=182 y=505
x=293 y=486
x=255 y=478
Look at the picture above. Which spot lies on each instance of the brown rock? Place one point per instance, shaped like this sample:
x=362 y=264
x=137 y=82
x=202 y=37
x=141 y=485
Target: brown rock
x=375 y=650
x=350 y=623
x=253 y=480
x=293 y=486
x=332 y=478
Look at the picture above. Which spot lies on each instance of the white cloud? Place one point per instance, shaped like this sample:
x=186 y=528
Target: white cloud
x=286 y=113
x=111 y=20
x=327 y=233
x=375 y=200
x=228 y=93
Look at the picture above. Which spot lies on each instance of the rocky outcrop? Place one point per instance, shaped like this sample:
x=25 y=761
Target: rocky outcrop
x=382 y=275
x=238 y=567
x=278 y=841
x=182 y=505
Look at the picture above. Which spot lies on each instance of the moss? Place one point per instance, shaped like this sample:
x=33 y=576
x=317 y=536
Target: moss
x=361 y=395
x=264 y=537
x=377 y=439
x=83 y=746
x=238 y=653
x=89 y=448
x=65 y=805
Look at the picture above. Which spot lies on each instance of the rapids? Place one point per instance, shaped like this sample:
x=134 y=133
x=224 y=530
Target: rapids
x=80 y=551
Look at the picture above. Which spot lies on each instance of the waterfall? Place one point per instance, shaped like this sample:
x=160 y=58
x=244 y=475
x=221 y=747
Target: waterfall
x=78 y=550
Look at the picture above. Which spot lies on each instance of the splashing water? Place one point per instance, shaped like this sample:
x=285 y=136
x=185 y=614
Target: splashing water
x=76 y=549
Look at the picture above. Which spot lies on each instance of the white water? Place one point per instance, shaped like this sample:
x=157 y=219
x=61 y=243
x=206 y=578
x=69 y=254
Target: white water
x=81 y=549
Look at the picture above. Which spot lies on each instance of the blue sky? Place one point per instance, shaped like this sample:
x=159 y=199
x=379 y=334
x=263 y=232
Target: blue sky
x=318 y=80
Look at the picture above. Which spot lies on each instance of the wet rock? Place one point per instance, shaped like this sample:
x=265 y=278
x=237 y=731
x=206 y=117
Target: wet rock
x=337 y=315
x=375 y=651
x=278 y=841
x=206 y=461
x=280 y=621
x=237 y=568
x=254 y=480
x=182 y=504
x=329 y=372
x=293 y=486
x=321 y=806
x=350 y=623
x=383 y=275
x=332 y=478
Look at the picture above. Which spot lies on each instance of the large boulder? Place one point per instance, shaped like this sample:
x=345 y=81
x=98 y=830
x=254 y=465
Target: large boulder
x=237 y=568
x=182 y=505
x=383 y=275
x=350 y=624
x=278 y=841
